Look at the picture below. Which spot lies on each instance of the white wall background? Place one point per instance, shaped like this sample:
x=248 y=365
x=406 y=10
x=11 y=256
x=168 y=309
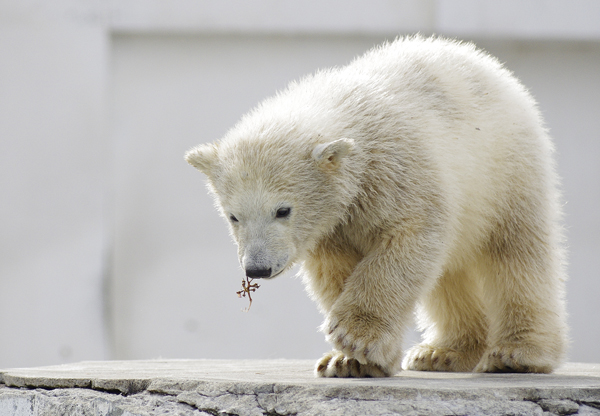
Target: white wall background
x=110 y=247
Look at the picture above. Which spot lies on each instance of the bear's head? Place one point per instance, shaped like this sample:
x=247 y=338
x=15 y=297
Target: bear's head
x=280 y=197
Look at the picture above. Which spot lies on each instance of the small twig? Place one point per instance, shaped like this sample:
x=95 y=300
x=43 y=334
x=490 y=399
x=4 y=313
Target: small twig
x=247 y=288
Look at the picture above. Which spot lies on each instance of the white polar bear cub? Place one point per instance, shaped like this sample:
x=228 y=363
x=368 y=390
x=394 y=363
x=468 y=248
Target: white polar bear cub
x=418 y=177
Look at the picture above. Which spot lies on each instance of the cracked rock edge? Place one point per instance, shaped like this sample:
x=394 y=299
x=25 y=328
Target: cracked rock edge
x=222 y=398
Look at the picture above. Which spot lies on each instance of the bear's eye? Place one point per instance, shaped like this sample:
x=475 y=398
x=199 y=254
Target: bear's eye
x=282 y=212
x=233 y=218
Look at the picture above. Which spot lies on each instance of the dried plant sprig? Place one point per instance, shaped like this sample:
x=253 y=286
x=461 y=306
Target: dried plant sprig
x=247 y=288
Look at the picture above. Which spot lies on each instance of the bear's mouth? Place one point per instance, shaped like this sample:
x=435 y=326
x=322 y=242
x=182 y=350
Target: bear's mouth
x=281 y=271
x=273 y=276
x=267 y=274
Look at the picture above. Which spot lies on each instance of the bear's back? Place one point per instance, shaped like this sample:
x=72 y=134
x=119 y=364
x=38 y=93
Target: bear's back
x=434 y=113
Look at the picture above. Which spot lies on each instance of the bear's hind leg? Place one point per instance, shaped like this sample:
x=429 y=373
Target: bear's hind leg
x=523 y=281
x=456 y=327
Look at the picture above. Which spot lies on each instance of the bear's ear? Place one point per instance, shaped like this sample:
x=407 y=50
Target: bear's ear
x=202 y=157
x=329 y=155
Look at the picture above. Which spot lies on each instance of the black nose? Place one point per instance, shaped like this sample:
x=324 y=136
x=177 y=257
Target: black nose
x=258 y=273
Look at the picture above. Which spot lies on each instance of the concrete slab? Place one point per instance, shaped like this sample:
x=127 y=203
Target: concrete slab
x=285 y=387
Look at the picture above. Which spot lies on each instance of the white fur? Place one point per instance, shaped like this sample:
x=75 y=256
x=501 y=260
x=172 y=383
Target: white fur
x=418 y=175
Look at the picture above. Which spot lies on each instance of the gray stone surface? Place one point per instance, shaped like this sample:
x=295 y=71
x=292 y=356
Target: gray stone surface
x=287 y=387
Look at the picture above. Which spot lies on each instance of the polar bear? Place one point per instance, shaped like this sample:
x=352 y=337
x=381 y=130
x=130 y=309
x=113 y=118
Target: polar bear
x=419 y=178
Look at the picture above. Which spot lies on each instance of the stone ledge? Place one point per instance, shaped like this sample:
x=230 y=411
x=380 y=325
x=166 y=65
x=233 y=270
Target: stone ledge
x=286 y=387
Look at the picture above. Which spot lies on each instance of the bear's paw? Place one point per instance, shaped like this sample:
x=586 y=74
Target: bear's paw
x=336 y=364
x=425 y=357
x=516 y=358
x=366 y=340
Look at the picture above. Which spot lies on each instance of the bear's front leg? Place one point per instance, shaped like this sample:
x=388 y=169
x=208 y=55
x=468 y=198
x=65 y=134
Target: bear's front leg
x=366 y=323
